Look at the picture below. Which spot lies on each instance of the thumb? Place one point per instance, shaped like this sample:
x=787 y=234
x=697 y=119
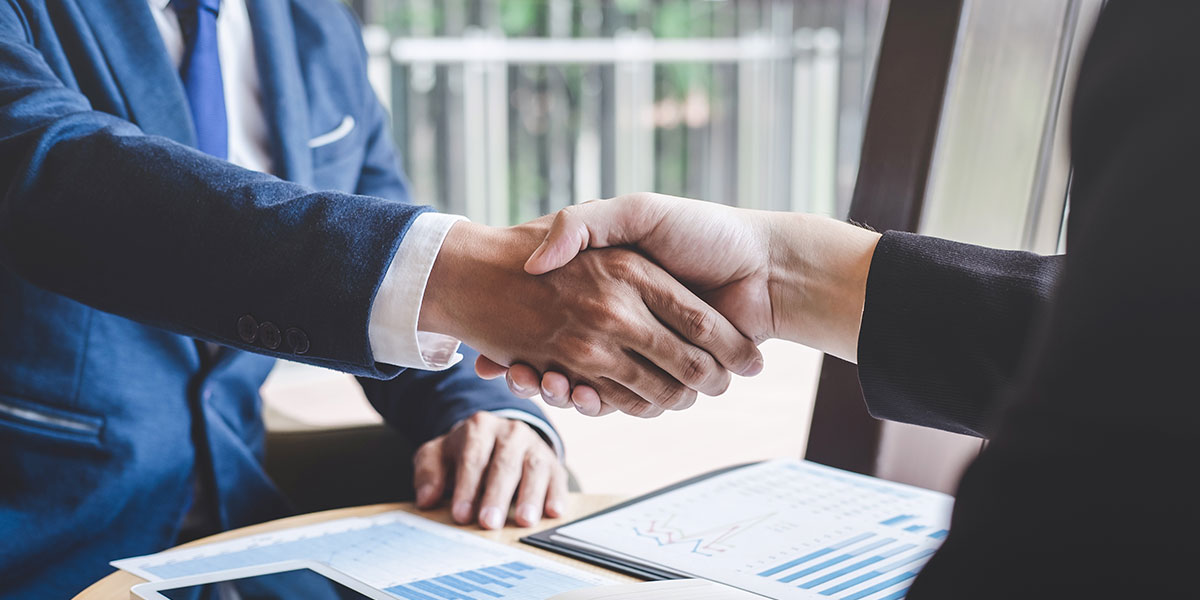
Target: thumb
x=568 y=236
x=595 y=224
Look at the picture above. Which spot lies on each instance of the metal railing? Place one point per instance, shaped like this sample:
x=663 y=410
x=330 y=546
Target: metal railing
x=504 y=129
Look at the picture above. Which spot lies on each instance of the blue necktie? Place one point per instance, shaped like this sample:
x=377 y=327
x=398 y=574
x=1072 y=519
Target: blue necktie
x=201 y=74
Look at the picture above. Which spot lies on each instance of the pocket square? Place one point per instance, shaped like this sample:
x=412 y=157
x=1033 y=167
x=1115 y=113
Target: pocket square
x=342 y=130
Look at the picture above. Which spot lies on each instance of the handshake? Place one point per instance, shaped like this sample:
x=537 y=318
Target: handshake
x=639 y=302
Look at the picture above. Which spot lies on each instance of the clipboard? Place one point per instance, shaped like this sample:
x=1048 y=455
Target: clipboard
x=546 y=539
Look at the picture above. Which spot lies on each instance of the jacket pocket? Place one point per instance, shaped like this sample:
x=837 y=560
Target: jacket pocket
x=45 y=421
x=343 y=129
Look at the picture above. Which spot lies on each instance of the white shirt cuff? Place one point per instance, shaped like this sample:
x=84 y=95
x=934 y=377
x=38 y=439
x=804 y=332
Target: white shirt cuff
x=393 y=332
x=540 y=425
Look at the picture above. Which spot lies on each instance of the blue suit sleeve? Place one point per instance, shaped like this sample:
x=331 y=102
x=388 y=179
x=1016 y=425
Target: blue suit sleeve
x=426 y=404
x=143 y=227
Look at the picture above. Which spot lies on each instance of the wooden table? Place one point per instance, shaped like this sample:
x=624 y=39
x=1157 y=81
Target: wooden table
x=116 y=586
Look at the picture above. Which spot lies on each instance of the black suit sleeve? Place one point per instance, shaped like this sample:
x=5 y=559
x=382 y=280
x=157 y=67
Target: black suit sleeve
x=944 y=328
x=1087 y=489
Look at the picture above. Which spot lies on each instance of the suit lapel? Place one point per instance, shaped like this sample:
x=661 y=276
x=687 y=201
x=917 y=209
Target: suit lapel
x=135 y=53
x=285 y=99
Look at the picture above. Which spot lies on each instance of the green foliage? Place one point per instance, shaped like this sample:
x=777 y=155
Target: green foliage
x=630 y=6
x=520 y=17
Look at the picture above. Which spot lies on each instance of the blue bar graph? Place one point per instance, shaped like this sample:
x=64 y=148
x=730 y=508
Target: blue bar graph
x=452 y=582
x=878 y=571
x=439 y=591
x=858 y=565
x=898 y=519
x=510 y=581
x=835 y=560
x=478 y=577
x=896 y=596
x=915 y=528
x=939 y=534
x=881 y=586
x=409 y=594
x=819 y=553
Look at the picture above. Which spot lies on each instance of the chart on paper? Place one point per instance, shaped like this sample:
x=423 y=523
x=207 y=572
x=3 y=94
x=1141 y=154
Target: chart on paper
x=407 y=556
x=783 y=529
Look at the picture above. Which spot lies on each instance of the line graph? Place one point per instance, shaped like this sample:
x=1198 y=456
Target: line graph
x=708 y=541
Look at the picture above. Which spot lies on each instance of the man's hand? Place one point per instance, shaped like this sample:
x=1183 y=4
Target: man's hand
x=794 y=276
x=487 y=459
x=611 y=320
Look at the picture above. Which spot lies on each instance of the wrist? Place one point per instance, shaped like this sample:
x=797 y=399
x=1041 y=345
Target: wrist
x=818 y=281
x=476 y=267
x=448 y=284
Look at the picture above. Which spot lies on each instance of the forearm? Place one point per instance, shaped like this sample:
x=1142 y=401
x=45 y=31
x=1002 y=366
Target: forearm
x=818 y=280
x=937 y=327
x=146 y=228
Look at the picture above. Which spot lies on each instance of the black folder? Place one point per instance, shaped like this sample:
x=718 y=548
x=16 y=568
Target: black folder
x=545 y=539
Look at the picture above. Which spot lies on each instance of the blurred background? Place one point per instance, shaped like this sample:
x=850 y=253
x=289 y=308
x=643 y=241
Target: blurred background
x=508 y=110
x=505 y=110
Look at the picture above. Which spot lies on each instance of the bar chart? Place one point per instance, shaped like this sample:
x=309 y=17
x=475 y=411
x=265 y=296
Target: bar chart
x=409 y=557
x=514 y=580
x=864 y=566
x=784 y=529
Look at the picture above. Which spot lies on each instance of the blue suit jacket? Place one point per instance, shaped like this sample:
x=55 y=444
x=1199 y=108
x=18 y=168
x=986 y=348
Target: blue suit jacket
x=119 y=244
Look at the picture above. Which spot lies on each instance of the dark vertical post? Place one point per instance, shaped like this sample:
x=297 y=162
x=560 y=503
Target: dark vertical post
x=901 y=130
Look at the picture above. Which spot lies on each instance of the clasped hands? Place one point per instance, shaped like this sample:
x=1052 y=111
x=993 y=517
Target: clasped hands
x=671 y=296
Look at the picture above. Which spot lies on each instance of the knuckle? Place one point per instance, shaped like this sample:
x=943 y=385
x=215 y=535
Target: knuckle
x=643 y=410
x=670 y=395
x=624 y=265
x=586 y=352
x=701 y=326
x=426 y=450
x=604 y=314
x=512 y=429
x=697 y=366
x=479 y=419
x=535 y=461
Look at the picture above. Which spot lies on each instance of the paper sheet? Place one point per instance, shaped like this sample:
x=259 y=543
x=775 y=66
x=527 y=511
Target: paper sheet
x=785 y=529
x=402 y=554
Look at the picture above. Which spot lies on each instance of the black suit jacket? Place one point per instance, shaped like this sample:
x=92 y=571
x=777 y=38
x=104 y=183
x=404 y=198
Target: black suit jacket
x=1081 y=369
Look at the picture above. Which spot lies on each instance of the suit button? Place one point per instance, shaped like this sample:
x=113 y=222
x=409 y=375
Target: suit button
x=297 y=340
x=268 y=334
x=247 y=329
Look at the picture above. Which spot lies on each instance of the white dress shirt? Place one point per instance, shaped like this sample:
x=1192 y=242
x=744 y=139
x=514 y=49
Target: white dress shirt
x=392 y=330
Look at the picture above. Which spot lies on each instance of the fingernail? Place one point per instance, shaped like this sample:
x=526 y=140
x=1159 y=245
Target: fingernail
x=425 y=494
x=520 y=389
x=529 y=514
x=462 y=512
x=556 y=508
x=491 y=518
x=755 y=368
x=533 y=258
